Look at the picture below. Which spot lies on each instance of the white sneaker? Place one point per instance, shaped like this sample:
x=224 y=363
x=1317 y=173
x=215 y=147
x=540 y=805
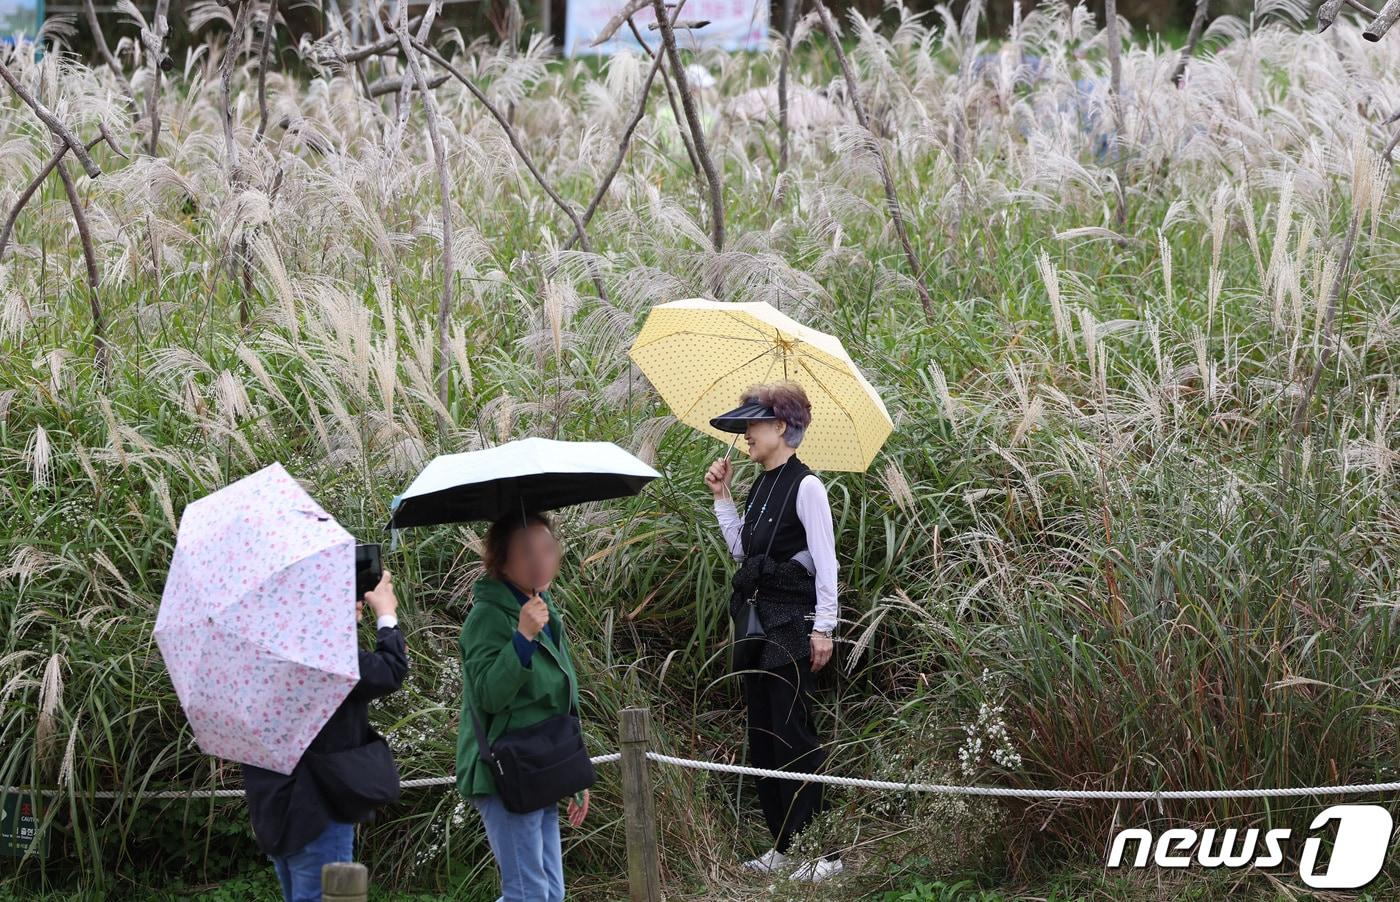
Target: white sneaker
x=767 y=863
x=818 y=870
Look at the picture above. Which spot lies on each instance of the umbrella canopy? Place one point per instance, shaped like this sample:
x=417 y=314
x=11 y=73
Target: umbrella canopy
x=701 y=355
x=532 y=474
x=257 y=621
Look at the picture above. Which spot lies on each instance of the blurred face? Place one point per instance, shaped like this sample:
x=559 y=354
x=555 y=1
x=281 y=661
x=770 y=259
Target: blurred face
x=764 y=438
x=533 y=559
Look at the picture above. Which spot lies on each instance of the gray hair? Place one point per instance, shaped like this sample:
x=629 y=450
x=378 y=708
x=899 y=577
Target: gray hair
x=793 y=434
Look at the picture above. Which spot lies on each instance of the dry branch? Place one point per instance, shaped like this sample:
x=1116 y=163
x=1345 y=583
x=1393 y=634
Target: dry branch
x=1115 y=73
x=697 y=128
x=1384 y=19
x=393 y=85
x=387 y=45
x=580 y=233
x=891 y=198
x=1390 y=148
x=783 y=65
x=625 y=141
x=58 y=128
x=689 y=25
x=153 y=38
x=32 y=187
x=101 y=41
x=657 y=56
x=1327 y=14
x=269 y=36
x=226 y=65
x=1198 y=25
x=617 y=21
x=90 y=259
x=445 y=188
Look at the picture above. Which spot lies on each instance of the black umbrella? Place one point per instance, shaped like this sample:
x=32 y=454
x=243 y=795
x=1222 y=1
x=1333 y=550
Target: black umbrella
x=533 y=474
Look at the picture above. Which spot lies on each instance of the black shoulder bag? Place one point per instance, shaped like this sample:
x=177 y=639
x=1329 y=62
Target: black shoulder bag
x=749 y=635
x=358 y=781
x=538 y=765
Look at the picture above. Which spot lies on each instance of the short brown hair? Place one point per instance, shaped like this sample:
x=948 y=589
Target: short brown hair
x=495 y=548
x=789 y=403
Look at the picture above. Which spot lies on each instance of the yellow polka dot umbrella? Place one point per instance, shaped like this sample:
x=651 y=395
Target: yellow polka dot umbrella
x=701 y=355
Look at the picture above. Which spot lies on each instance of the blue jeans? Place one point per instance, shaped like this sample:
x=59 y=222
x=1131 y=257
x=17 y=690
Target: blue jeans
x=527 y=850
x=300 y=872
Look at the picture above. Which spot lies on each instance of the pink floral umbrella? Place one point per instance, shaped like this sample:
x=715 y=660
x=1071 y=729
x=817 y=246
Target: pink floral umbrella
x=257 y=621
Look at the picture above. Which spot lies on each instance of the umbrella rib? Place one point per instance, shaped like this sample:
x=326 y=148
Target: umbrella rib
x=839 y=370
x=851 y=419
x=638 y=347
x=734 y=316
x=721 y=377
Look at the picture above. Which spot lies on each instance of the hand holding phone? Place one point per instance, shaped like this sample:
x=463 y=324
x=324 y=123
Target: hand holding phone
x=368 y=569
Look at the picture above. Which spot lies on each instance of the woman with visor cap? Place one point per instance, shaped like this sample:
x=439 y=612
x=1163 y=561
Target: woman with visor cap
x=785 y=543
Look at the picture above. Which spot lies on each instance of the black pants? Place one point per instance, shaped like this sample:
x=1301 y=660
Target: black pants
x=781 y=737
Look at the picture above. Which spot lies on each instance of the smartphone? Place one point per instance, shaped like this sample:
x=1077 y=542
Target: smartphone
x=368 y=569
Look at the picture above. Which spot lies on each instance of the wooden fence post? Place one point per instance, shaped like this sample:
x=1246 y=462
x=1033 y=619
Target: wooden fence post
x=643 y=862
x=344 y=882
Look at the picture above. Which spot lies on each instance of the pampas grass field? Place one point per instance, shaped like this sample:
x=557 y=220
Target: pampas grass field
x=1105 y=547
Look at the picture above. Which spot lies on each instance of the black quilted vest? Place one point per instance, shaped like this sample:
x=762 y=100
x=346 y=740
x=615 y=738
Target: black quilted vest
x=778 y=487
x=787 y=593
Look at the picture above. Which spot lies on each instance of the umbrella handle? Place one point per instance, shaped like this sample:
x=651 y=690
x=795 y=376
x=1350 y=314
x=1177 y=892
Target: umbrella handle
x=728 y=452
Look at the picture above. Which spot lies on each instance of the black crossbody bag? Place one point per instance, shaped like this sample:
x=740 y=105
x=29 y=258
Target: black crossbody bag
x=539 y=765
x=749 y=634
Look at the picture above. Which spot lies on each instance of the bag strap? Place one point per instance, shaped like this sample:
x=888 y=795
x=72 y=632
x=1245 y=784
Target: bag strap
x=483 y=748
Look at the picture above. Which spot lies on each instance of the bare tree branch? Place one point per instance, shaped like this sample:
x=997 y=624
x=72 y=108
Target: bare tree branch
x=1384 y=19
x=90 y=259
x=393 y=85
x=1390 y=148
x=445 y=188
x=580 y=233
x=891 y=198
x=101 y=41
x=1327 y=14
x=616 y=22
x=1193 y=37
x=32 y=187
x=697 y=128
x=58 y=128
x=1115 y=73
x=153 y=39
x=626 y=138
x=269 y=37
x=671 y=99
x=226 y=66
x=389 y=44
x=783 y=65
x=688 y=25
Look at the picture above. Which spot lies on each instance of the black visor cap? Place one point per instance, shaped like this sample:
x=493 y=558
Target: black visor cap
x=737 y=420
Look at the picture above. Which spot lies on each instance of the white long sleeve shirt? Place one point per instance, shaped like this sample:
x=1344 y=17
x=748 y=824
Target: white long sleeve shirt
x=814 y=510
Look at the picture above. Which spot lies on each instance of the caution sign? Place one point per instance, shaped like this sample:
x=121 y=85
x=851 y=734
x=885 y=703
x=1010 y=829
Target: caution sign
x=19 y=825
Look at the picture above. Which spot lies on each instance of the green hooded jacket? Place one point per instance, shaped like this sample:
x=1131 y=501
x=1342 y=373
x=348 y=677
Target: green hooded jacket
x=506 y=695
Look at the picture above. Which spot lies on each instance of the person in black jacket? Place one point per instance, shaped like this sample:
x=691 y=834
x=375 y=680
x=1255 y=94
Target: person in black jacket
x=306 y=819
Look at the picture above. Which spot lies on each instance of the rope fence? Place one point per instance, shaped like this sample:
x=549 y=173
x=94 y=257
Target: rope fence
x=639 y=815
x=832 y=780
